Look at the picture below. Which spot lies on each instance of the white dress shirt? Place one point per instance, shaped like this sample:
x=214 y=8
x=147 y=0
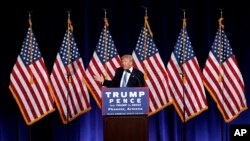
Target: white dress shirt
x=128 y=75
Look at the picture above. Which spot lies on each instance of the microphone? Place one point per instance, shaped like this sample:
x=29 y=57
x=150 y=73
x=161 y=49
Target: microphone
x=134 y=76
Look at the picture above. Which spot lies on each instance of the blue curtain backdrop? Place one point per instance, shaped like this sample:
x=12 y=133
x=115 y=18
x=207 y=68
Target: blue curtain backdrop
x=125 y=18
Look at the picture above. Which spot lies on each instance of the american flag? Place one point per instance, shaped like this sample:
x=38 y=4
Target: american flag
x=70 y=92
x=29 y=82
x=186 y=79
x=148 y=60
x=223 y=78
x=104 y=62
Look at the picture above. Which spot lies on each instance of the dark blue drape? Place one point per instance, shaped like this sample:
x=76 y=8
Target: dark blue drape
x=125 y=19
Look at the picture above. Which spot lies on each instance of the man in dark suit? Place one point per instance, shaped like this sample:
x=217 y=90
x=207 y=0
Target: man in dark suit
x=125 y=76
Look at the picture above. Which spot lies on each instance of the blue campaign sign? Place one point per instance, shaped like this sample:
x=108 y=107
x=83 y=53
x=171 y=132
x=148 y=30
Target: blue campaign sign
x=125 y=101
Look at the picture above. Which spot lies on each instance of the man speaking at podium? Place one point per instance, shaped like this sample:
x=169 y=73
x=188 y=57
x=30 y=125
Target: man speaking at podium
x=124 y=124
x=125 y=76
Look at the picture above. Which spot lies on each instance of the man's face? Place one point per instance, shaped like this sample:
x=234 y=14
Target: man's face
x=126 y=63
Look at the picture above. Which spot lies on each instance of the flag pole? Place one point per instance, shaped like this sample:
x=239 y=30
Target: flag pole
x=146 y=26
x=220 y=79
x=30 y=46
x=106 y=25
x=69 y=75
x=221 y=26
x=183 y=73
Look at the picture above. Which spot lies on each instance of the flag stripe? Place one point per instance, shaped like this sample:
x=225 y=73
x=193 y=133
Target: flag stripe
x=175 y=83
x=83 y=98
x=194 y=69
x=37 y=88
x=57 y=80
x=19 y=87
x=213 y=88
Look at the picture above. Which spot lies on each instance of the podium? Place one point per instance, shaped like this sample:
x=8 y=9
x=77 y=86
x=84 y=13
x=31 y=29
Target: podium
x=124 y=113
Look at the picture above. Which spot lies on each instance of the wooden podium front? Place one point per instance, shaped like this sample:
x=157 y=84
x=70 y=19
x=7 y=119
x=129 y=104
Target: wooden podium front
x=126 y=128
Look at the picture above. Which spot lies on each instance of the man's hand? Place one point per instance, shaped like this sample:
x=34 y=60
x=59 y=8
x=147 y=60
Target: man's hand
x=99 y=78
